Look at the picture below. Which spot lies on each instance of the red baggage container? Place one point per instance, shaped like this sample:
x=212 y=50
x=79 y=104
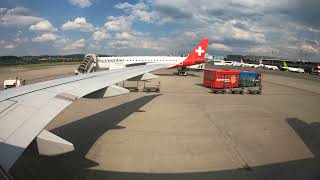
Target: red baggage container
x=219 y=79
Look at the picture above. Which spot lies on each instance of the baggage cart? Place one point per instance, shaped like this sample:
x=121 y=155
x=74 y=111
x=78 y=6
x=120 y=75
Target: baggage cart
x=149 y=89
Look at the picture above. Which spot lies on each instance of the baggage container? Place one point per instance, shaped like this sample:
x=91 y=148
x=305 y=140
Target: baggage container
x=220 y=79
x=248 y=79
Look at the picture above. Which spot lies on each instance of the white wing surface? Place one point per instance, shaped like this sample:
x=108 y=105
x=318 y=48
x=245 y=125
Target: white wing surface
x=26 y=110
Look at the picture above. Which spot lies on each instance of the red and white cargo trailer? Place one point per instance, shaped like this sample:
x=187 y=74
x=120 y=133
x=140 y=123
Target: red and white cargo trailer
x=220 y=79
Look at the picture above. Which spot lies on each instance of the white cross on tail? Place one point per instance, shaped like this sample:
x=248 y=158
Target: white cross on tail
x=199 y=51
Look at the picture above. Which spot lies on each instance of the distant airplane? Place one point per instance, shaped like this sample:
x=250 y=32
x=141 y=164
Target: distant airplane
x=25 y=111
x=93 y=62
x=247 y=64
x=260 y=65
x=292 y=69
x=271 y=67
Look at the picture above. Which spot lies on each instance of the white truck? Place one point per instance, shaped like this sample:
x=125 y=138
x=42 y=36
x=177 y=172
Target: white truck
x=11 y=83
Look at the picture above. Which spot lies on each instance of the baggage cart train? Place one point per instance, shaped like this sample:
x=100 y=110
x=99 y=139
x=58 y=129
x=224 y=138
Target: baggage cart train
x=233 y=81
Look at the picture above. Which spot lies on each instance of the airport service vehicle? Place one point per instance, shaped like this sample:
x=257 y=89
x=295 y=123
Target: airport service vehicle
x=197 y=67
x=260 y=65
x=220 y=80
x=219 y=62
x=148 y=88
x=251 y=82
x=237 y=64
x=11 y=83
x=25 y=111
x=232 y=81
x=93 y=62
x=228 y=63
x=292 y=69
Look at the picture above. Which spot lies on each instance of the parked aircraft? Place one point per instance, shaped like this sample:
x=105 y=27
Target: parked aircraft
x=292 y=69
x=22 y=119
x=196 y=56
x=271 y=67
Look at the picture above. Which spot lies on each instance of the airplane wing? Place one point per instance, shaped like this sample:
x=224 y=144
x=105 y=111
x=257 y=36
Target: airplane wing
x=26 y=110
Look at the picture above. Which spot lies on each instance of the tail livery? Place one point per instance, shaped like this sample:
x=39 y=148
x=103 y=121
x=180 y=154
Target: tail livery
x=196 y=56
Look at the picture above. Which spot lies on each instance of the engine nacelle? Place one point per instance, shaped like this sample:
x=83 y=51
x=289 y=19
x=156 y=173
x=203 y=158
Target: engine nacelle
x=88 y=65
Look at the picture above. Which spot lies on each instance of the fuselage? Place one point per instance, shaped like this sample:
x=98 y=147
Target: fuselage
x=109 y=62
x=272 y=67
x=293 y=69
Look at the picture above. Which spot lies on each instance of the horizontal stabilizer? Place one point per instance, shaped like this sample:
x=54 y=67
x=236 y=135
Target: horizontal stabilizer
x=144 y=77
x=109 y=91
x=51 y=145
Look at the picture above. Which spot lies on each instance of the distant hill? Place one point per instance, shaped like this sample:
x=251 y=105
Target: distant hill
x=15 y=60
x=11 y=60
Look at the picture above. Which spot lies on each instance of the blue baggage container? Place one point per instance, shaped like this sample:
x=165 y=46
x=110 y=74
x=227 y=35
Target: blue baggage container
x=248 y=79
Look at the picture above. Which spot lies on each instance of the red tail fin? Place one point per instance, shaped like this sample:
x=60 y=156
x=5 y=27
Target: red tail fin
x=196 y=56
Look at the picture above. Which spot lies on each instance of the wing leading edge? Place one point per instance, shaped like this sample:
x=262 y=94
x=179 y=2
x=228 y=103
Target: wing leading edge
x=26 y=110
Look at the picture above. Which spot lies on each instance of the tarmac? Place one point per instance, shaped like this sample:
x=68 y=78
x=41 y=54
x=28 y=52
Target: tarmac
x=186 y=132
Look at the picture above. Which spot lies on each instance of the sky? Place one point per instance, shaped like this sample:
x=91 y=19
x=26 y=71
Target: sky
x=280 y=28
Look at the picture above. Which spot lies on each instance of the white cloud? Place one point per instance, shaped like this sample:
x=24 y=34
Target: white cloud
x=133 y=41
x=128 y=6
x=310 y=49
x=44 y=25
x=124 y=36
x=81 y=3
x=120 y=23
x=190 y=34
x=14 y=42
x=79 y=23
x=248 y=35
x=100 y=35
x=75 y=45
x=10 y=46
x=139 y=11
x=45 y=37
x=18 y=16
x=261 y=50
x=220 y=47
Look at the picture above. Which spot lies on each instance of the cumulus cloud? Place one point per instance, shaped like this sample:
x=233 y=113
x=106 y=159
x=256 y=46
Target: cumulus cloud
x=220 y=47
x=243 y=26
x=75 y=45
x=81 y=3
x=45 y=37
x=311 y=47
x=261 y=50
x=19 y=16
x=44 y=25
x=100 y=35
x=139 y=11
x=246 y=23
x=119 y=23
x=14 y=42
x=191 y=34
x=248 y=35
x=79 y=23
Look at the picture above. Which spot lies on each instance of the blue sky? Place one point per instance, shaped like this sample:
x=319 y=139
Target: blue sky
x=143 y=27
